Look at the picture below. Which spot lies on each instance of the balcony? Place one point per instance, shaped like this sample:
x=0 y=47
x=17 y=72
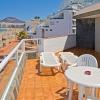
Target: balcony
x=20 y=78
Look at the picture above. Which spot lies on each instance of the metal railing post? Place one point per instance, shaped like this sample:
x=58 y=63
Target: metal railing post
x=16 y=57
x=23 y=46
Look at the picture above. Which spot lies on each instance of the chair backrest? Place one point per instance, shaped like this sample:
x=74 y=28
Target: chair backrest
x=87 y=60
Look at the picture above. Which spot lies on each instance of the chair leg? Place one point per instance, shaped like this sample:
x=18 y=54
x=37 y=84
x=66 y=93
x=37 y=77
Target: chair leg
x=93 y=92
x=40 y=70
x=93 y=95
x=81 y=92
x=58 y=68
x=70 y=86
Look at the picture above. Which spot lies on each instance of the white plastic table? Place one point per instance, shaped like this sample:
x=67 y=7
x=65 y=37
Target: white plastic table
x=77 y=75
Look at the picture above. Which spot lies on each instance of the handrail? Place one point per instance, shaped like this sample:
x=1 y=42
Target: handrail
x=19 y=48
x=12 y=78
x=6 y=59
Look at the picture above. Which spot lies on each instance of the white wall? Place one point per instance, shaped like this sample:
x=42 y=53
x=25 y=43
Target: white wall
x=97 y=34
x=59 y=43
x=60 y=27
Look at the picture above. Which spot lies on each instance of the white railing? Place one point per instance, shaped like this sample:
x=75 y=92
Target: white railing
x=14 y=51
x=10 y=84
x=10 y=89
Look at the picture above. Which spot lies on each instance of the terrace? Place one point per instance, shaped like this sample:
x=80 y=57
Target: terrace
x=20 y=79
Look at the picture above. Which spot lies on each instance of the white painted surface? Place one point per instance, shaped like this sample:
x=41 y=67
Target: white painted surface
x=68 y=57
x=97 y=34
x=14 y=51
x=59 y=27
x=59 y=43
x=83 y=79
x=90 y=8
x=78 y=75
x=49 y=59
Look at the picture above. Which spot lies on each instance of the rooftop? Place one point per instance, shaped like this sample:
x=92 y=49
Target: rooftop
x=5 y=50
x=91 y=11
x=50 y=84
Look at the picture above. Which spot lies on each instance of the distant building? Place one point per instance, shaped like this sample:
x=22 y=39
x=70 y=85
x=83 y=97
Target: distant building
x=8 y=29
x=60 y=23
x=30 y=27
x=11 y=22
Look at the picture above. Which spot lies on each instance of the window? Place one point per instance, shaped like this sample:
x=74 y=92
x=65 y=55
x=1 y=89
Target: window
x=50 y=29
x=74 y=31
x=74 y=22
x=73 y=13
x=34 y=33
x=46 y=29
x=61 y=15
x=51 y=23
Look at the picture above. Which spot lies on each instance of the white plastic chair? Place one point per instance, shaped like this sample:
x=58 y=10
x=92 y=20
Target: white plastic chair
x=49 y=59
x=86 y=60
x=67 y=58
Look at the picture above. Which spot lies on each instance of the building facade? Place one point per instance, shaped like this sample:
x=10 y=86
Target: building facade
x=59 y=24
x=88 y=27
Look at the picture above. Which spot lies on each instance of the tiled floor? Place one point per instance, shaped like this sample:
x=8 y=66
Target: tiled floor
x=9 y=68
x=49 y=85
x=5 y=75
x=44 y=86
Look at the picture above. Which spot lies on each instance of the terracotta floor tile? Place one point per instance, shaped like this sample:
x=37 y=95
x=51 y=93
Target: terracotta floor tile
x=39 y=98
x=48 y=86
x=49 y=97
x=42 y=87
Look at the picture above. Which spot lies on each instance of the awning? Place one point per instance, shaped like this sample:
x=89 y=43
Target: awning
x=92 y=11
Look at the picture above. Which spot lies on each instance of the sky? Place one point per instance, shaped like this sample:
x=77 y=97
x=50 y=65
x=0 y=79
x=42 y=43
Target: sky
x=28 y=9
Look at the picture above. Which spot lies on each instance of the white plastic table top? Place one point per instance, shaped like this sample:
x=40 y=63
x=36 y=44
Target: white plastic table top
x=77 y=75
x=49 y=59
x=70 y=58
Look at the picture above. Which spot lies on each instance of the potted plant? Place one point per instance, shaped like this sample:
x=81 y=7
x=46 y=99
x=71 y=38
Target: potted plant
x=22 y=35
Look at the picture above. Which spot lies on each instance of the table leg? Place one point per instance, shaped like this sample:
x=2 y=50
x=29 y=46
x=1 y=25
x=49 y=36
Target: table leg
x=81 y=92
x=40 y=69
x=93 y=92
x=70 y=86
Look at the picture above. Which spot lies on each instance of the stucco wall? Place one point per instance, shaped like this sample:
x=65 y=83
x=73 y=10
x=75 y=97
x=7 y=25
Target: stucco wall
x=60 y=27
x=59 y=43
x=97 y=34
x=57 y=27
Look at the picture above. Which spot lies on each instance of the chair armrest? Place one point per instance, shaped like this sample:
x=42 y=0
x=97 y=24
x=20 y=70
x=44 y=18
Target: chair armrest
x=73 y=65
x=41 y=59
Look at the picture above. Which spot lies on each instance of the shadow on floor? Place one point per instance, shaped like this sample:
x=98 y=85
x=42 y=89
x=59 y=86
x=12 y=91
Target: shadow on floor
x=62 y=93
